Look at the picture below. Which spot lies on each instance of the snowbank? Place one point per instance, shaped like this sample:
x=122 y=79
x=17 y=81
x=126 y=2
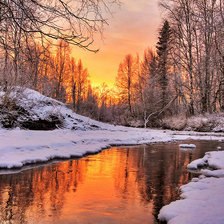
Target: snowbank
x=203 y=196
x=214 y=160
x=28 y=109
x=20 y=147
x=197 y=163
x=203 y=203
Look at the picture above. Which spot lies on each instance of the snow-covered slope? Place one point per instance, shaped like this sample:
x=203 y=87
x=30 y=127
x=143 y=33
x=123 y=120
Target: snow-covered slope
x=29 y=109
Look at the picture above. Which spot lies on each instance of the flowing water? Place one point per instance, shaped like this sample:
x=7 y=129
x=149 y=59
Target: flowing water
x=118 y=185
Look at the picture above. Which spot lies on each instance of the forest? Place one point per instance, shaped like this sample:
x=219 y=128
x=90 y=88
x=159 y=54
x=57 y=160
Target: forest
x=148 y=149
x=182 y=75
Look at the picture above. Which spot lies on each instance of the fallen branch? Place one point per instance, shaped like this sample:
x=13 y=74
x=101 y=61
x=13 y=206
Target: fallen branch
x=159 y=112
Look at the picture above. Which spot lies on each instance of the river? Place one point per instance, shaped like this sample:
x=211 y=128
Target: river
x=118 y=185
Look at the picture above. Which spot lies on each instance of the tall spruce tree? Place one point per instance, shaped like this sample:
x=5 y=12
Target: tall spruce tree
x=162 y=57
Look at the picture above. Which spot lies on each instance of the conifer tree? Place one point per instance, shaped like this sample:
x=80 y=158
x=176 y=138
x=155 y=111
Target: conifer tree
x=163 y=65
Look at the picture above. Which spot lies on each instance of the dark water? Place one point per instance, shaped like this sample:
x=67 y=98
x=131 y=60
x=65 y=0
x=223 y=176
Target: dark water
x=119 y=185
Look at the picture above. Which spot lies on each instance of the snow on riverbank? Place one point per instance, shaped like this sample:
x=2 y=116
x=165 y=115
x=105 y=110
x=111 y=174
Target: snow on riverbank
x=20 y=147
x=203 y=197
x=79 y=135
x=202 y=204
x=214 y=160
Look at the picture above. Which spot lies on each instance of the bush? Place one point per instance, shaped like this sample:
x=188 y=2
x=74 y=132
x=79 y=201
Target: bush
x=177 y=122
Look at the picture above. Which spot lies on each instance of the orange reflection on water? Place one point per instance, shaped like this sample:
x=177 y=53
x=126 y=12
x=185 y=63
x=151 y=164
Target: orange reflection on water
x=120 y=185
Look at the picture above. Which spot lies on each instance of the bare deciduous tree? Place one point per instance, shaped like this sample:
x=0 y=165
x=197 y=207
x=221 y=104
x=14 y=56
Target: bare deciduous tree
x=73 y=21
x=125 y=80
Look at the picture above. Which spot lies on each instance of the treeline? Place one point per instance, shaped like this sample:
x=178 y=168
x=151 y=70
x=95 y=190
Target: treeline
x=55 y=73
x=184 y=75
x=197 y=52
x=35 y=52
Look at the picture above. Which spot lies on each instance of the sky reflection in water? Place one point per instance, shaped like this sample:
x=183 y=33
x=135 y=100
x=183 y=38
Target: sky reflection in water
x=119 y=185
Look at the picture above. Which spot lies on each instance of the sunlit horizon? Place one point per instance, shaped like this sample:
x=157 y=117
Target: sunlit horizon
x=132 y=28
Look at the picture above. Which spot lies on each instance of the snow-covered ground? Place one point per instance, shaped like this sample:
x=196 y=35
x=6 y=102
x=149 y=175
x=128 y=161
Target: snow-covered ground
x=203 y=198
x=202 y=203
x=25 y=106
x=78 y=134
x=20 y=147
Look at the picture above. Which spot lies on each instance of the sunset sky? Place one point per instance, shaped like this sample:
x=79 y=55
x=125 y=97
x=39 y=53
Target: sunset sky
x=133 y=27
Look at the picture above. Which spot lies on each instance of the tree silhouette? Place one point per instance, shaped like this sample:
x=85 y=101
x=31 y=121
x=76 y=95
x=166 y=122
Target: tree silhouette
x=163 y=54
x=125 y=80
x=73 y=21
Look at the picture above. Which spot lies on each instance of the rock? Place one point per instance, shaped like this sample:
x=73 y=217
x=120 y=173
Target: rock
x=41 y=124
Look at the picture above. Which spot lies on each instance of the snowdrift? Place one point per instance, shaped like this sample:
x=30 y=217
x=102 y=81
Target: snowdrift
x=28 y=109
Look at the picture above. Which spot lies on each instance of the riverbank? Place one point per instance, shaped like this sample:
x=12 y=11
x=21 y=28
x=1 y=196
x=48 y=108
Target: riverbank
x=28 y=109
x=60 y=133
x=200 y=123
x=202 y=198
x=73 y=135
x=21 y=147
